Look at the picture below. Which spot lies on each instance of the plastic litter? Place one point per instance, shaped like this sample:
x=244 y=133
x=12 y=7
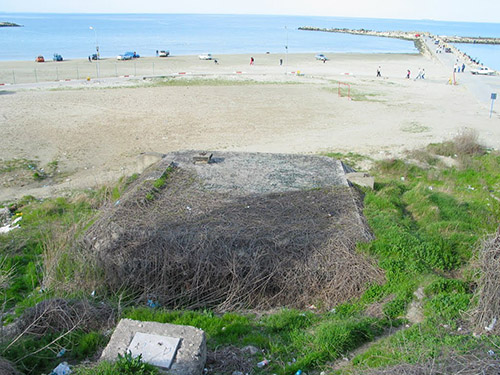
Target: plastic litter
x=152 y=303
x=61 y=353
x=61 y=369
x=491 y=353
x=299 y=372
x=263 y=363
x=491 y=327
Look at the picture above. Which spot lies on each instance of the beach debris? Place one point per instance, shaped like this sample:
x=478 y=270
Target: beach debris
x=152 y=303
x=491 y=326
x=263 y=363
x=8 y=227
x=61 y=369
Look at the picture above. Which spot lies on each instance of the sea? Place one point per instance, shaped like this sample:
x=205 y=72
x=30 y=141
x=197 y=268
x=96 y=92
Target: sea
x=78 y=35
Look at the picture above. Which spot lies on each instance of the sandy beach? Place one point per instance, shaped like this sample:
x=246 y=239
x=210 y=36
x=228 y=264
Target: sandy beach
x=95 y=129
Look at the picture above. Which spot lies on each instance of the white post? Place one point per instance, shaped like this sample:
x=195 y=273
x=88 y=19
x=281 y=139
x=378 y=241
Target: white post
x=286 y=51
x=97 y=49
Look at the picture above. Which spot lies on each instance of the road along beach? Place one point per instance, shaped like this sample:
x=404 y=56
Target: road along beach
x=94 y=130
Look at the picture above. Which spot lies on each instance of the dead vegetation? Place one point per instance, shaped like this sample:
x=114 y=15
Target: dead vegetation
x=487 y=312
x=228 y=360
x=452 y=364
x=183 y=246
x=6 y=368
x=60 y=315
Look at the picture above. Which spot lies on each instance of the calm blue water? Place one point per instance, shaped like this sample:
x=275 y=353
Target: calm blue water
x=186 y=34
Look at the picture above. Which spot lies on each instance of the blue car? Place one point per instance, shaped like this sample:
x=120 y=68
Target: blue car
x=128 y=56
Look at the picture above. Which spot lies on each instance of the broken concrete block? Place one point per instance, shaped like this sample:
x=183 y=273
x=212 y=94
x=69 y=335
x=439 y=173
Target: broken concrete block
x=187 y=357
x=361 y=179
x=202 y=158
x=146 y=159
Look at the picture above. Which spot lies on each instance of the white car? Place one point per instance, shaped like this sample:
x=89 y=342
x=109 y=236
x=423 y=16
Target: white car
x=321 y=57
x=483 y=70
x=205 y=56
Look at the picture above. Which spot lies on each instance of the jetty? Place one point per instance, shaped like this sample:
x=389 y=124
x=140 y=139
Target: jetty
x=9 y=24
x=406 y=35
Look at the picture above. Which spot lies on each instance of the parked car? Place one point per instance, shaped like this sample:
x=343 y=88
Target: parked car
x=95 y=57
x=321 y=57
x=164 y=53
x=447 y=50
x=205 y=56
x=483 y=70
x=40 y=59
x=124 y=57
x=128 y=56
x=57 y=57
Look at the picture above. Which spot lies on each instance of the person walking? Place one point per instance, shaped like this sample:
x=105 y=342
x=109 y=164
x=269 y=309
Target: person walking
x=408 y=74
x=252 y=60
x=378 y=72
x=281 y=62
x=463 y=67
x=90 y=60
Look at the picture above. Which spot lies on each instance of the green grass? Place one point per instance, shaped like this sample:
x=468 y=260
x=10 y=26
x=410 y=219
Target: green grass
x=183 y=81
x=17 y=164
x=427 y=221
x=125 y=365
x=309 y=338
x=356 y=93
x=35 y=355
x=417 y=344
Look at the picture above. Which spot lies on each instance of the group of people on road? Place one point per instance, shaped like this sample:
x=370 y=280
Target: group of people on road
x=457 y=68
x=420 y=74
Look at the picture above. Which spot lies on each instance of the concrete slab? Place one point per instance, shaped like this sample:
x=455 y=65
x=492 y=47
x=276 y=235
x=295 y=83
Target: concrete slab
x=361 y=179
x=191 y=353
x=260 y=173
x=154 y=349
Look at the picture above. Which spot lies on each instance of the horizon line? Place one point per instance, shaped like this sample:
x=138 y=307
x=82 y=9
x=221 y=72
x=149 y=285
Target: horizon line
x=250 y=14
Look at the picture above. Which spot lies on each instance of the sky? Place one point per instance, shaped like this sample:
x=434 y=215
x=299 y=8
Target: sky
x=444 y=10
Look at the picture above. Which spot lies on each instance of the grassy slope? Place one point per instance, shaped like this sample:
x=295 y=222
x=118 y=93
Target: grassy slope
x=427 y=220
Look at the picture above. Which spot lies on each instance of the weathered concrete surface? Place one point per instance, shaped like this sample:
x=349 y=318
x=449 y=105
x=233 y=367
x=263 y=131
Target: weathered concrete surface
x=155 y=349
x=262 y=173
x=191 y=353
x=146 y=159
x=361 y=179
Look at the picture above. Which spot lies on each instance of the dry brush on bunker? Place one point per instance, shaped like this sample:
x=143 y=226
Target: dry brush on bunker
x=182 y=245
